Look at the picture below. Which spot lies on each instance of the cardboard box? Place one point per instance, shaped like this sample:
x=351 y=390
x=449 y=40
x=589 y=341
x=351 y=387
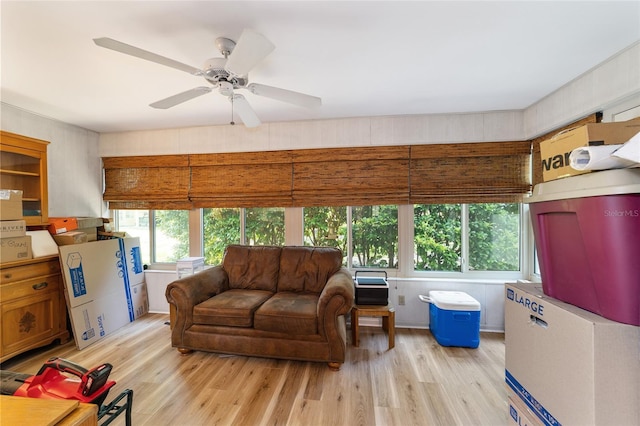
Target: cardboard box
x=60 y=225
x=519 y=414
x=73 y=237
x=189 y=266
x=92 y=233
x=89 y=222
x=554 y=152
x=13 y=228
x=10 y=204
x=102 y=286
x=15 y=248
x=568 y=365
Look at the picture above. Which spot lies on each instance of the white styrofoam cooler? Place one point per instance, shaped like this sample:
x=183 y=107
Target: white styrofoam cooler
x=454 y=318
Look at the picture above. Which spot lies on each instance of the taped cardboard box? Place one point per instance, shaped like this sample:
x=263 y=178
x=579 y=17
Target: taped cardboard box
x=89 y=222
x=10 y=204
x=567 y=365
x=15 y=248
x=73 y=237
x=13 y=228
x=554 y=152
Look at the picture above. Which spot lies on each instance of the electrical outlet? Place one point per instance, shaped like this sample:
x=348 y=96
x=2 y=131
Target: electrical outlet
x=400 y=299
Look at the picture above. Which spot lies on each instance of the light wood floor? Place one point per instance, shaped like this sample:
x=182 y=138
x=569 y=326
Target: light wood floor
x=417 y=383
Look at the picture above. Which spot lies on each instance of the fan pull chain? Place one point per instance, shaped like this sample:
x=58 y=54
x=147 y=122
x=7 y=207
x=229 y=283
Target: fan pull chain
x=232 y=122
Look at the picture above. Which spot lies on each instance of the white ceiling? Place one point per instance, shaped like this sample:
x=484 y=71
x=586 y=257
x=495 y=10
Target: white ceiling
x=361 y=58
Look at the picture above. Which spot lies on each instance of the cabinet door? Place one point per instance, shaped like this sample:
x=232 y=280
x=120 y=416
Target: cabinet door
x=29 y=321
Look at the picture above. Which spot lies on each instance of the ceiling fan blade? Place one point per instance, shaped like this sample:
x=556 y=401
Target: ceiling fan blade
x=181 y=97
x=285 y=95
x=244 y=110
x=250 y=49
x=127 y=49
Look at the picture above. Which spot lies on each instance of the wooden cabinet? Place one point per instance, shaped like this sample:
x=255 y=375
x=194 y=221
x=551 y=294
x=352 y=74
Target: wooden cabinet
x=23 y=166
x=32 y=304
x=18 y=410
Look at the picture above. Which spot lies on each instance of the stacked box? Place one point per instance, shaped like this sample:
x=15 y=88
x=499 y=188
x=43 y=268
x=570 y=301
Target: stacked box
x=567 y=365
x=60 y=225
x=10 y=204
x=189 y=266
x=554 y=152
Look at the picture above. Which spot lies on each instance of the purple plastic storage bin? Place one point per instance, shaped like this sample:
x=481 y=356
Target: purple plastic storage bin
x=587 y=232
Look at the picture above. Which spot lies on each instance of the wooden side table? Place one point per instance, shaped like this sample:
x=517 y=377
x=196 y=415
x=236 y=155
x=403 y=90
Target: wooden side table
x=388 y=314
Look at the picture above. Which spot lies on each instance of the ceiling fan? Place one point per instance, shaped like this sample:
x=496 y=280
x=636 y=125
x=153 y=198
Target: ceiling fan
x=226 y=74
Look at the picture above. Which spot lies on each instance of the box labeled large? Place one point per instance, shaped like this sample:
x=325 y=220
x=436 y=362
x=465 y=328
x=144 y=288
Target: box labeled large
x=454 y=318
x=13 y=228
x=15 y=248
x=586 y=231
x=371 y=288
x=554 y=152
x=10 y=204
x=519 y=414
x=568 y=365
x=104 y=286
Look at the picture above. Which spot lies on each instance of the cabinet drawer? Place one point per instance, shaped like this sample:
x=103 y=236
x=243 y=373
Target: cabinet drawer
x=24 y=272
x=31 y=287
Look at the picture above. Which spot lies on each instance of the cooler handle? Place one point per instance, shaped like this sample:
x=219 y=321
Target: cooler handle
x=425 y=299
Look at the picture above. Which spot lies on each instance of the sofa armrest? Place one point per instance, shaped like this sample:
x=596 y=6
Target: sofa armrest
x=187 y=292
x=336 y=299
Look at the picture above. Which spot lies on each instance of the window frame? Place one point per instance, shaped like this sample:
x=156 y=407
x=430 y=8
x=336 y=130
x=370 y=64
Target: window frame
x=294 y=235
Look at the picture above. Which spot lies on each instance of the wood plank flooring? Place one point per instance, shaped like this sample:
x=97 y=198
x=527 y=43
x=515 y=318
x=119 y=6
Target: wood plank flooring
x=416 y=383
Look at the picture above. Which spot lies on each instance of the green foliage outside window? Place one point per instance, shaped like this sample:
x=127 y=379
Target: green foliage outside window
x=494 y=237
x=264 y=226
x=172 y=235
x=326 y=226
x=437 y=237
x=221 y=228
x=375 y=236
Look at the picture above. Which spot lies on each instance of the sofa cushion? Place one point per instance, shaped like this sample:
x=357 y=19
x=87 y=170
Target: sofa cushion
x=232 y=307
x=307 y=269
x=252 y=267
x=286 y=312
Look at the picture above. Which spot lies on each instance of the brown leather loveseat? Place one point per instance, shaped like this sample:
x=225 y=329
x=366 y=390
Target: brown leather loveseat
x=278 y=302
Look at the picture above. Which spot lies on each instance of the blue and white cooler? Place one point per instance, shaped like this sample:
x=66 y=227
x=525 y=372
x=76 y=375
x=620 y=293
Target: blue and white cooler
x=454 y=318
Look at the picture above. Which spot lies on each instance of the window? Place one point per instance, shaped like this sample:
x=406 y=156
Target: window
x=264 y=226
x=375 y=236
x=494 y=237
x=492 y=241
x=170 y=235
x=221 y=227
x=437 y=237
x=326 y=226
x=136 y=224
x=447 y=238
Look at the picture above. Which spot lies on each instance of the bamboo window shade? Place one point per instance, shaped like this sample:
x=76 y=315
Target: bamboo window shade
x=252 y=179
x=441 y=173
x=483 y=172
x=147 y=182
x=537 y=159
x=351 y=176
